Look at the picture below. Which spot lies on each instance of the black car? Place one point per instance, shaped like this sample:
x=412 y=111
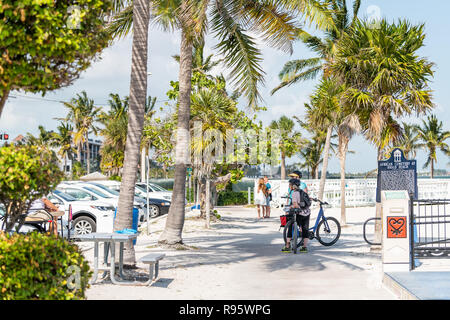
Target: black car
x=157 y=207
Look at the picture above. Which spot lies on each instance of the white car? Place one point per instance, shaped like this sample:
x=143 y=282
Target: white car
x=154 y=190
x=87 y=216
x=110 y=192
x=82 y=192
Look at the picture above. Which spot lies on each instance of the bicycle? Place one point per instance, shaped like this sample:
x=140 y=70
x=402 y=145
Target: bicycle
x=326 y=230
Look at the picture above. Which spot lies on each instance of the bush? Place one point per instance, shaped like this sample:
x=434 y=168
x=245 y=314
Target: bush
x=39 y=266
x=230 y=198
x=26 y=173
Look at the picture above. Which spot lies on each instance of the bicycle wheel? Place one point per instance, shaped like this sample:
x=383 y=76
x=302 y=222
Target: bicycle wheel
x=328 y=231
x=298 y=234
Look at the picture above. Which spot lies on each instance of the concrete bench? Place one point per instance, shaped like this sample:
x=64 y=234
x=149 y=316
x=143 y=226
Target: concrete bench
x=152 y=259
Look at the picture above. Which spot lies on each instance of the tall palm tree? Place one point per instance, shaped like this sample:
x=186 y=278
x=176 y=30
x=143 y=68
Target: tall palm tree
x=136 y=113
x=83 y=114
x=115 y=123
x=327 y=113
x=290 y=140
x=326 y=98
x=62 y=139
x=384 y=78
x=433 y=137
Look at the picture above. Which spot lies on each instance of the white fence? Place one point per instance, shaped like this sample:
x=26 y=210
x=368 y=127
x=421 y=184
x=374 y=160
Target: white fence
x=358 y=192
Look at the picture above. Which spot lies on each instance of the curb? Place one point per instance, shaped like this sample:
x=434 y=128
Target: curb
x=397 y=289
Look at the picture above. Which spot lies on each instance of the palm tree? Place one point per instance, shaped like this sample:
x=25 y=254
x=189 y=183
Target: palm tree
x=84 y=115
x=136 y=114
x=408 y=141
x=63 y=140
x=115 y=123
x=433 y=138
x=44 y=138
x=325 y=100
x=324 y=114
x=298 y=70
x=312 y=157
x=290 y=140
x=384 y=78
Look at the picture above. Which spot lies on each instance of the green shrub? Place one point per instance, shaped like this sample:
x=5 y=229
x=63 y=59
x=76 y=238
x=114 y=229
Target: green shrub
x=26 y=173
x=115 y=178
x=230 y=198
x=39 y=266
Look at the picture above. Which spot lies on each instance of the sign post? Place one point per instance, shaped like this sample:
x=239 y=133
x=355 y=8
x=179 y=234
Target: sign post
x=397 y=173
x=396 y=248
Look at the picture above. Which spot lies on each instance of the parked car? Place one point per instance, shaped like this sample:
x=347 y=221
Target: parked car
x=156 y=206
x=154 y=190
x=110 y=192
x=87 y=216
x=81 y=192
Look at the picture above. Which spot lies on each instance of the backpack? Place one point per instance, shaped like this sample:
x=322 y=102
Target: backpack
x=305 y=200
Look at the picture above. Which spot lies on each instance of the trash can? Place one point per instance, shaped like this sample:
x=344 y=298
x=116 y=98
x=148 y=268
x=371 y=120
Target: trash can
x=134 y=227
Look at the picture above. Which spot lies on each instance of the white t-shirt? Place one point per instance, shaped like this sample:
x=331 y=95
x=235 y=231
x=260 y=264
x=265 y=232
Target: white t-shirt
x=37 y=204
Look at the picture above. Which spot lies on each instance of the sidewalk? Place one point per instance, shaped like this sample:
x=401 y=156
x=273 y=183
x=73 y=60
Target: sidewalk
x=240 y=258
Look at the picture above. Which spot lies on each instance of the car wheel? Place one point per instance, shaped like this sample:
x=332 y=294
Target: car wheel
x=84 y=225
x=154 y=211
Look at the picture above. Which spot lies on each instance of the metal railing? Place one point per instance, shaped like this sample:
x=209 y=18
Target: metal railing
x=358 y=192
x=429 y=229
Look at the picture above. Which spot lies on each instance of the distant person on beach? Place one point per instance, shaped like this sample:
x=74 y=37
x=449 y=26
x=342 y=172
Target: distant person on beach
x=269 y=196
x=261 y=197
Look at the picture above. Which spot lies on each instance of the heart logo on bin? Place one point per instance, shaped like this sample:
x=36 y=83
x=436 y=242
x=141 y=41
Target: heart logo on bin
x=396 y=227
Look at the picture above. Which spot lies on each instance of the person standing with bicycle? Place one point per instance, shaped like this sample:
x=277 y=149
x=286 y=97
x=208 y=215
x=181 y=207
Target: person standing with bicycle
x=301 y=210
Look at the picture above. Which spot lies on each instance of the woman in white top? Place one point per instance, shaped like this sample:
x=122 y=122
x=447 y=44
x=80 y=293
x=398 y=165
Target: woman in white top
x=260 y=198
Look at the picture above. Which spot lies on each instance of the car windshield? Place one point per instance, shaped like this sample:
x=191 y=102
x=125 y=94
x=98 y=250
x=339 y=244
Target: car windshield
x=100 y=194
x=158 y=188
x=140 y=188
x=64 y=196
x=111 y=191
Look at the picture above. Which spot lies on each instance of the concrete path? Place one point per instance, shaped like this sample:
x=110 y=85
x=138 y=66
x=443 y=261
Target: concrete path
x=240 y=258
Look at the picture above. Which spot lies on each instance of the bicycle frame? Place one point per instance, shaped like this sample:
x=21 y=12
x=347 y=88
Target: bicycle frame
x=320 y=216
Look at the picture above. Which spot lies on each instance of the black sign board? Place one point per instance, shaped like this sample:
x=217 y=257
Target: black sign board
x=397 y=173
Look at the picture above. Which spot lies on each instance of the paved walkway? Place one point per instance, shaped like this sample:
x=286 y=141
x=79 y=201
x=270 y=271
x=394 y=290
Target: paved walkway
x=240 y=258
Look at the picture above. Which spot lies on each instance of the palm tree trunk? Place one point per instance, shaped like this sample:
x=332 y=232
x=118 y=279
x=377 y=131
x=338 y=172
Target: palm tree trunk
x=432 y=169
x=283 y=165
x=79 y=152
x=3 y=99
x=175 y=218
x=378 y=214
x=88 y=154
x=343 y=147
x=326 y=154
x=208 y=203
x=138 y=94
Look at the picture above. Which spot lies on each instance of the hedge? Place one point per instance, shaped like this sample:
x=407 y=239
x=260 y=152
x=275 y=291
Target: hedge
x=41 y=266
x=230 y=198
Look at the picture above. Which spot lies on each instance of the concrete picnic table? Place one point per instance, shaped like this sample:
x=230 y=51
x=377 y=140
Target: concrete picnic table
x=109 y=240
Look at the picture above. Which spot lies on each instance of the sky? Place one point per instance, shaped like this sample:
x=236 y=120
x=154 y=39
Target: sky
x=24 y=112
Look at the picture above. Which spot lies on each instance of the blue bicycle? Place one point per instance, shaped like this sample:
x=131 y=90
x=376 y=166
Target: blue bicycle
x=326 y=230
